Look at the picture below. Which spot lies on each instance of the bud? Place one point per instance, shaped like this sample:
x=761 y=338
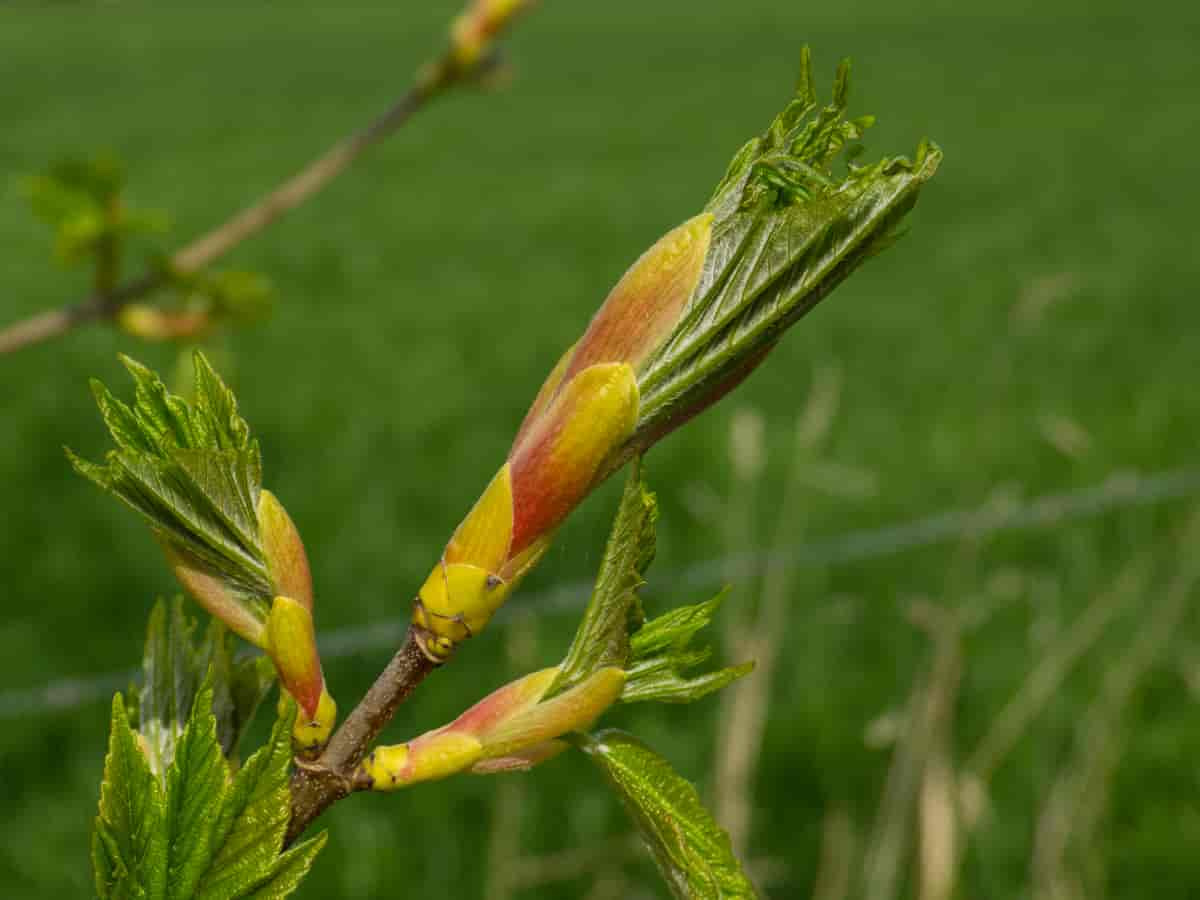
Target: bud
x=580 y=421
x=691 y=319
x=286 y=560
x=474 y=30
x=553 y=465
x=291 y=642
x=511 y=728
x=151 y=323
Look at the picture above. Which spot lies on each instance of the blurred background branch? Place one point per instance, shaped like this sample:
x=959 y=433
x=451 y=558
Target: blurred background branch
x=470 y=57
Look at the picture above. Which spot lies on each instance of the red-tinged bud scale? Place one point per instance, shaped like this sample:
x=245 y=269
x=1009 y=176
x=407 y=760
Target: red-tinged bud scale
x=286 y=560
x=582 y=417
x=510 y=729
x=689 y=320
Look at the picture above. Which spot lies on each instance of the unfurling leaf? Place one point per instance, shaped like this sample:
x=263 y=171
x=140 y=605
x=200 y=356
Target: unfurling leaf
x=129 y=846
x=689 y=320
x=661 y=654
x=602 y=638
x=692 y=851
x=196 y=787
x=656 y=655
x=248 y=833
x=173 y=668
x=193 y=829
x=171 y=675
x=193 y=471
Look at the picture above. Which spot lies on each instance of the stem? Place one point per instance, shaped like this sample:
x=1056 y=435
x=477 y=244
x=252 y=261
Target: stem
x=432 y=80
x=318 y=785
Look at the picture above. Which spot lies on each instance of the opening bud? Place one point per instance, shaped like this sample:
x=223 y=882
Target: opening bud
x=286 y=560
x=292 y=645
x=510 y=729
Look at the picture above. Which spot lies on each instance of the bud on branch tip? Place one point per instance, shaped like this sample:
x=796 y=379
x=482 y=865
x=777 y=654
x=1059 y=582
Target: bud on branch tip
x=693 y=317
x=511 y=728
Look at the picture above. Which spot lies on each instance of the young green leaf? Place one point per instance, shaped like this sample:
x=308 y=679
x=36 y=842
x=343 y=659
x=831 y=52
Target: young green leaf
x=196 y=787
x=248 y=834
x=787 y=229
x=194 y=472
x=205 y=835
x=692 y=851
x=129 y=847
x=170 y=676
x=289 y=870
x=661 y=654
x=251 y=679
x=602 y=638
x=173 y=667
x=81 y=200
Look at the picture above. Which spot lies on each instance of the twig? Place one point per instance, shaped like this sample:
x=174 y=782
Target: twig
x=318 y=785
x=447 y=71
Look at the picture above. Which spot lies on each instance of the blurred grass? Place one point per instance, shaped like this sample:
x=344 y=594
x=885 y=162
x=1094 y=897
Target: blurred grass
x=1049 y=277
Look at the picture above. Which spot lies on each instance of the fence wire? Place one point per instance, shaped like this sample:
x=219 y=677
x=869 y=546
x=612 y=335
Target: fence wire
x=1121 y=490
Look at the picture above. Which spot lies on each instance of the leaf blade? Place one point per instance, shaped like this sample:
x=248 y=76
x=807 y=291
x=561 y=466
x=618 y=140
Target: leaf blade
x=196 y=787
x=128 y=844
x=692 y=851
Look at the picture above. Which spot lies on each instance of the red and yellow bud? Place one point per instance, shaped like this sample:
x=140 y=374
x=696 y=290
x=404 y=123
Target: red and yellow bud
x=646 y=304
x=556 y=462
x=510 y=729
x=474 y=30
x=286 y=560
x=291 y=642
x=580 y=422
x=151 y=323
x=550 y=469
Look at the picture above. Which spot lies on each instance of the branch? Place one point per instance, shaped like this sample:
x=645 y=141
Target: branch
x=318 y=785
x=451 y=69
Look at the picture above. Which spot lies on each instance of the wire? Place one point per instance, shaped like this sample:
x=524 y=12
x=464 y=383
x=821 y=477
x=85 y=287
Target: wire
x=1121 y=490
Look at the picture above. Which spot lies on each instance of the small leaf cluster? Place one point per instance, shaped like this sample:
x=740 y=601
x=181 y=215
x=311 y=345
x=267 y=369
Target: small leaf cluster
x=656 y=654
x=691 y=850
x=787 y=229
x=175 y=665
x=193 y=471
x=81 y=199
x=84 y=202
x=200 y=831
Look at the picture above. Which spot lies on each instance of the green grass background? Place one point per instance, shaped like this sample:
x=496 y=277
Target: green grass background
x=428 y=291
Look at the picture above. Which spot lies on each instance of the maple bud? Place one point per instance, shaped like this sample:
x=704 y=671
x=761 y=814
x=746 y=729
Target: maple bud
x=475 y=29
x=691 y=319
x=512 y=728
x=286 y=559
x=579 y=423
x=152 y=323
x=291 y=642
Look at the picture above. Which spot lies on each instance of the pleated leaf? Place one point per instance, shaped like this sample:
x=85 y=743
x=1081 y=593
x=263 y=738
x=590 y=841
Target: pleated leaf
x=193 y=472
x=692 y=851
x=788 y=227
x=129 y=846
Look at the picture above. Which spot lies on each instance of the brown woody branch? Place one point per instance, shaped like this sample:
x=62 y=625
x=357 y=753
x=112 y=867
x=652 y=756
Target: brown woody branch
x=318 y=785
